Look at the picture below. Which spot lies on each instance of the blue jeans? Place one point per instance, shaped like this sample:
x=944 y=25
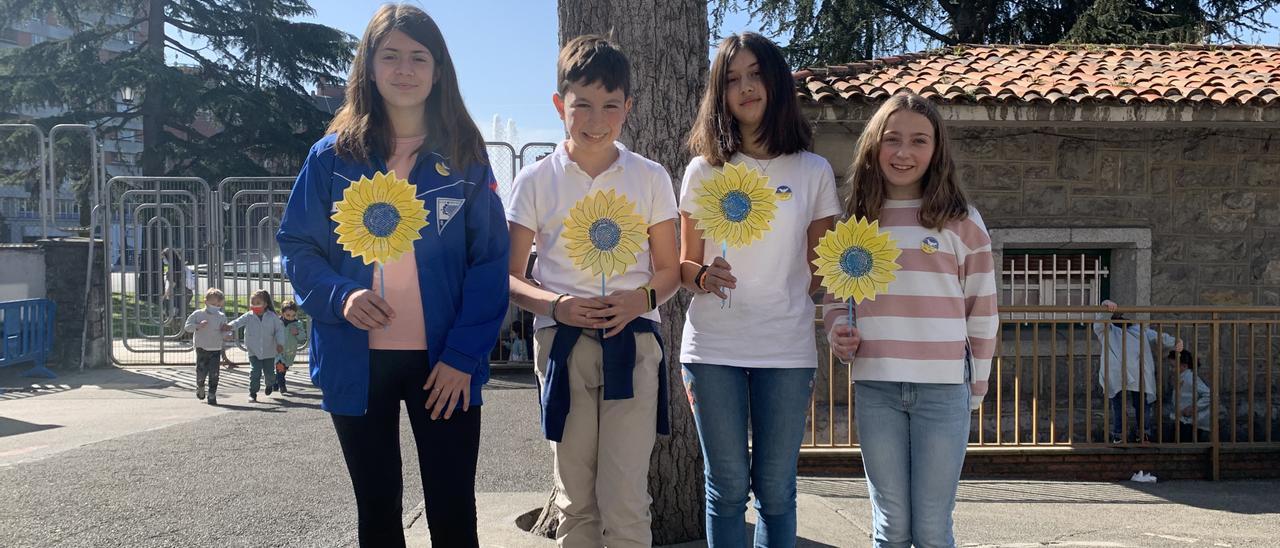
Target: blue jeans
x=913 y=438
x=774 y=401
x=1136 y=401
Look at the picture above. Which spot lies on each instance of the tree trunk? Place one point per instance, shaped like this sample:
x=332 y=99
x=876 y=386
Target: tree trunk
x=152 y=102
x=666 y=42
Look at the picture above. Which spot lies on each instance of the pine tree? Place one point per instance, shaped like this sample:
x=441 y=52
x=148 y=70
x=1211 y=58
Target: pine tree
x=240 y=66
x=824 y=32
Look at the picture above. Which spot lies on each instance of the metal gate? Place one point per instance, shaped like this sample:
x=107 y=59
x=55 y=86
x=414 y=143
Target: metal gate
x=163 y=229
x=172 y=238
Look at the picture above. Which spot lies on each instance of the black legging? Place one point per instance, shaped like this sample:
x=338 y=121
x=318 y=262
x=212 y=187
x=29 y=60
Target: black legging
x=447 y=452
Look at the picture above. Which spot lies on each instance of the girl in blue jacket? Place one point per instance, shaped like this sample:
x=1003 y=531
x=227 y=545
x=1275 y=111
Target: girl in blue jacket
x=421 y=330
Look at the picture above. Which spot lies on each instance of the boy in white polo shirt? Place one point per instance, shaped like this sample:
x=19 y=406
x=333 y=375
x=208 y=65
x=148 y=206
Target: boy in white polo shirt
x=599 y=359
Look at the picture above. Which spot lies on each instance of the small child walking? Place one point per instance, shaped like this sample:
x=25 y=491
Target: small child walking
x=206 y=326
x=295 y=335
x=264 y=338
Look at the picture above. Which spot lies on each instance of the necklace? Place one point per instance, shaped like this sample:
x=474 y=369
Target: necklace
x=763 y=167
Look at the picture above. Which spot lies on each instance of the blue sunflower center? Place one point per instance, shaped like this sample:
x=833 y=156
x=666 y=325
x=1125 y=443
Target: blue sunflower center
x=381 y=219
x=736 y=206
x=856 y=262
x=605 y=234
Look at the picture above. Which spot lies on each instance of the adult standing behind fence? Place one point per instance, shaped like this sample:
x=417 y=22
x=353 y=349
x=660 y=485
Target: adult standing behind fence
x=1128 y=370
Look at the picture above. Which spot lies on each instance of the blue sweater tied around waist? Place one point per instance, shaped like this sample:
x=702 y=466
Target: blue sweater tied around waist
x=619 y=366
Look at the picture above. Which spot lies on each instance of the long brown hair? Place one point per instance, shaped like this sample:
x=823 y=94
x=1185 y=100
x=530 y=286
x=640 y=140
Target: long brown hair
x=783 y=130
x=362 y=125
x=943 y=200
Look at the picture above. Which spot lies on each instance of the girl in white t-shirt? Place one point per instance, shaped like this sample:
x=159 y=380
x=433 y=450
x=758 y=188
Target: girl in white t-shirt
x=748 y=349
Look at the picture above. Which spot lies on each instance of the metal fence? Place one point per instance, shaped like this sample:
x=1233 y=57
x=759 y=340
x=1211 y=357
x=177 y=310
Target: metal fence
x=1045 y=388
x=506 y=162
x=199 y=236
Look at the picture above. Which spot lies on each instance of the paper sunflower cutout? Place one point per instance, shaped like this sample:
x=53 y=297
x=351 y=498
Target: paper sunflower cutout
x=603 y=233
x=735 y=206
x=379 y=219
x=856 y=260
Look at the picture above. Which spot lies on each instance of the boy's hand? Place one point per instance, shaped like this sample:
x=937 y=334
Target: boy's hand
x=279 y=348
x=224 y=327
x=445 y=387
x=366 y=310
x=581 y=312
x=623 y=306
x=203 y=324
x=844 y=340
x=1178 y=346
x=1111 y=305
x=720 y=277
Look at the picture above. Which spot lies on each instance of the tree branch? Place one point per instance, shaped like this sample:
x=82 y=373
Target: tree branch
x=919 y=25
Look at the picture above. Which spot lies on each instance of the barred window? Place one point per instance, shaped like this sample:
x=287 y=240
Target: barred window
x=1054 y=277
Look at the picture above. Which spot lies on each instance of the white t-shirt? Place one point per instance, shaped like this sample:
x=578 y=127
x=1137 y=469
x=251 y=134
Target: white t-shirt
x=770 y=320
x=541 y=199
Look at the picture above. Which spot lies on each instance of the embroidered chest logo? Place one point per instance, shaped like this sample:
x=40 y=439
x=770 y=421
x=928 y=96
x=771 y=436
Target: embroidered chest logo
x=446 y=208
x=929 y=245
x=442 y=169
x=783 y=193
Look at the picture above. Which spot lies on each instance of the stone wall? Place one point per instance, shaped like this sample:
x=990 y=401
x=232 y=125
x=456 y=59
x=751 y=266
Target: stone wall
x=65 y=263
x=1209 y=196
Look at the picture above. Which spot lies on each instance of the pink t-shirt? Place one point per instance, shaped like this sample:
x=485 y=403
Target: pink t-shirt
x=407 y=331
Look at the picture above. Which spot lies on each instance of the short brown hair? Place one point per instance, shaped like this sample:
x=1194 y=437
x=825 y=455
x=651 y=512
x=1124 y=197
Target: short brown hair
x=592 y=58
x=214 y=292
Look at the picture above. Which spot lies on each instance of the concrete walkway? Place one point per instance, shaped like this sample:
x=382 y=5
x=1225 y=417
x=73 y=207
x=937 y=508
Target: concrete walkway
x=128 y=457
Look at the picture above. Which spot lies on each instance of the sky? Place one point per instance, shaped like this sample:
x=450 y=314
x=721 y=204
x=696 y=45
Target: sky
x=505 y=54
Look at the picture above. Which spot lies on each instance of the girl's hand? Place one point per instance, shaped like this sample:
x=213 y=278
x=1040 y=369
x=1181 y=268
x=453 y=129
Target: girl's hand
x=844 y=340
x=719 y=277
x=978 y=388
x=279 y=349
x=224 y=327
x=203 y=324
x=366 y=310
x=581 y=312
x=623 y=306
x=445 y=387
x=977 y=391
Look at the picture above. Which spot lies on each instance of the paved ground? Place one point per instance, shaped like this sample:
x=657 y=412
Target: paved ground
x=131 y=458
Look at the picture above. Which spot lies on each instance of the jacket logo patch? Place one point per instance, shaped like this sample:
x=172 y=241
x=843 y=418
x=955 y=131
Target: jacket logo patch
x=446 y=208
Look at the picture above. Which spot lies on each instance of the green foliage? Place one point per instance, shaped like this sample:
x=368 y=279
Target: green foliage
x=247 y=77
x=826 y=32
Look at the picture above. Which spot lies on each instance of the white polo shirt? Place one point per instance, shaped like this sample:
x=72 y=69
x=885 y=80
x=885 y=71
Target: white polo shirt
x=541 y=199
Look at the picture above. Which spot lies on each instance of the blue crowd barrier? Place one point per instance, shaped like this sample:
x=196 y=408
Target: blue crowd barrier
x=28 y=334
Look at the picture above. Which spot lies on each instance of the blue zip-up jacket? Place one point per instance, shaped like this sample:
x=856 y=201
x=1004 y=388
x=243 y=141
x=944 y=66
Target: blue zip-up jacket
x=462 y=270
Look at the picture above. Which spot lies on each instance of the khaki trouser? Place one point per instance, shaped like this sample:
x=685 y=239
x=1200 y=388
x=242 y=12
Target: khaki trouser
x=602 y=461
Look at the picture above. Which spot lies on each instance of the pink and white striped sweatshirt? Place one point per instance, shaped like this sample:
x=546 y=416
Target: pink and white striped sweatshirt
x=944 y=297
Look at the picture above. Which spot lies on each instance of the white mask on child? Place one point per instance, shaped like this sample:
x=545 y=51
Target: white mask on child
x=213 y=309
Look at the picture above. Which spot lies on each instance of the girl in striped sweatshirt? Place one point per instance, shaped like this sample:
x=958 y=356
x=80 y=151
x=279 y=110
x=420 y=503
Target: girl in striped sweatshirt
x=921 y=352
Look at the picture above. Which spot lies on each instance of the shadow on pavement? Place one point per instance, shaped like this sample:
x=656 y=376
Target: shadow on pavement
x=13 y=427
